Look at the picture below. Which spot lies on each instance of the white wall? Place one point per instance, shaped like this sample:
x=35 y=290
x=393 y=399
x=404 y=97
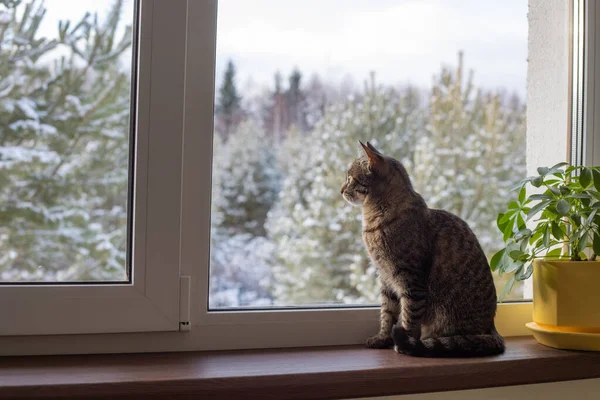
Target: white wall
x=547 y=87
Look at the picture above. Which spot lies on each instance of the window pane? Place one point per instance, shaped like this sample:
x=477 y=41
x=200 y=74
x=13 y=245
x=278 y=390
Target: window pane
x=65 y=85
x=439 y=85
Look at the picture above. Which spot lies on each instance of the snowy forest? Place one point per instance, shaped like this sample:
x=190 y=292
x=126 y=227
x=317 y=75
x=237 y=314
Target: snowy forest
x=281 y=233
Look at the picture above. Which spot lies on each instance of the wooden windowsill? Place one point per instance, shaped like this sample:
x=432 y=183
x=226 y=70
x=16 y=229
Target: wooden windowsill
x=315 y=373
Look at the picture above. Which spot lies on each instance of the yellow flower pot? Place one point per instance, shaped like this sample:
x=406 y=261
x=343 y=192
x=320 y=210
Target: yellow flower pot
x=566 y=304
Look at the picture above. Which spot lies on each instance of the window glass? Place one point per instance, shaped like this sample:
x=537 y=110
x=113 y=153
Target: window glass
x=65 y=108
x=439 y=85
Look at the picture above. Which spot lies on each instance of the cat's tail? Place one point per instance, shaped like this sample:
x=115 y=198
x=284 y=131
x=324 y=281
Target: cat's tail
x=448 y=346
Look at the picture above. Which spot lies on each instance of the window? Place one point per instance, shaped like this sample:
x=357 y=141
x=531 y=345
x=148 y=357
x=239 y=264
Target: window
x=193 y=260
x=65 y=149
x=89 y=233
x=295 y=92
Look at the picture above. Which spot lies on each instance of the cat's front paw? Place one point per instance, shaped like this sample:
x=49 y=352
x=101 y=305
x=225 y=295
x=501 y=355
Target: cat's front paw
x=380 y=341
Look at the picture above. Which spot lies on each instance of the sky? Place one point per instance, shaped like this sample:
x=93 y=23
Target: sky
x=403 y=41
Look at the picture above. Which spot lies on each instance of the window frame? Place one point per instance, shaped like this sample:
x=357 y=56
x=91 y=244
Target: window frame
x=190 y=234
x=152 y=297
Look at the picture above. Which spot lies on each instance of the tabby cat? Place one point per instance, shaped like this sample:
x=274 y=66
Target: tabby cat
x=437 y=293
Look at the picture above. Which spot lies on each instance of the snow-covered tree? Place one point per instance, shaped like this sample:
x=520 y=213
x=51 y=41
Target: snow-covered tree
x=473 y=148
x=319 y=256
x=461 y=148
x=63 y=146
x=249 y=180
x=246 y=183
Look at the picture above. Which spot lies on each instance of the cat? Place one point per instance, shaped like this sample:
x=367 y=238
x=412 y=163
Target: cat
x=437 y=292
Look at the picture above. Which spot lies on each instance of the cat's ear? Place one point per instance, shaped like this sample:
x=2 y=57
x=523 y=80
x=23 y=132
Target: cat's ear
x=373 y=149
x=374 y=156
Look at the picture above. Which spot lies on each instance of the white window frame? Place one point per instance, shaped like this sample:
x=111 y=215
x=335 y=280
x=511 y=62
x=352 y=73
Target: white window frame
x=178 y=211
x=151 y=301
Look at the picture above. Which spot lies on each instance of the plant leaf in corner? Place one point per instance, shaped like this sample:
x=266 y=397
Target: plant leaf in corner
x=495 y=261
x=522 y=194
x=596 y=244
x=596 y=176
x=535 y=209
x=563 y=207
x=507 y=288
x=586 y=177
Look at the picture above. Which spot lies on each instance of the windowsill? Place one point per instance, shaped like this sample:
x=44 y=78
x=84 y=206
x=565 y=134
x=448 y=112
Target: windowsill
x=314 y=373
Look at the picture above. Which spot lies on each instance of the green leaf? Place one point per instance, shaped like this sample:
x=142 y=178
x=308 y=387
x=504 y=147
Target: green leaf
x=507 y=232
x=594 y=194
x=596 y=244
x=546 y=239
x=526 y=273
x=558 y=166
x=543 y=170
x=537 y=181
x=536 y=236
x=520 y=184
x=554 y=190
x=583 y=242
x=507 y=288
x=576 y=220
x=590 y=217
x=513 y=205
x=495 y=261
x=596 y=176
x=512 y=265
x=504 y=218
x=558 y=233
x=522 y=195
x=563 y=207
x=535 y=209
x=586 y=202
x=555 y=253
x=564 y=190
x=551 y=212
x=540 y=197
x=515 y=254
x=580 y=196
x=522 y=233
x=552 y=181
x=520 y=221
x=586 y=177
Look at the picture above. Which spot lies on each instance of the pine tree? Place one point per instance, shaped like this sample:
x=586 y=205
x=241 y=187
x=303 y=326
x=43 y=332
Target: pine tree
x=473 y=147
x=295 y=101
x=63 y=147
x=228 y=109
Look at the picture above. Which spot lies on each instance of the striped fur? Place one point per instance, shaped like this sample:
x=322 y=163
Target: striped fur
x=437 y=288
x=448 y=346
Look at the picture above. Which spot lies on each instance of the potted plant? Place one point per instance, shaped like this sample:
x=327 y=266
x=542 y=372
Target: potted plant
x=554 y=234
